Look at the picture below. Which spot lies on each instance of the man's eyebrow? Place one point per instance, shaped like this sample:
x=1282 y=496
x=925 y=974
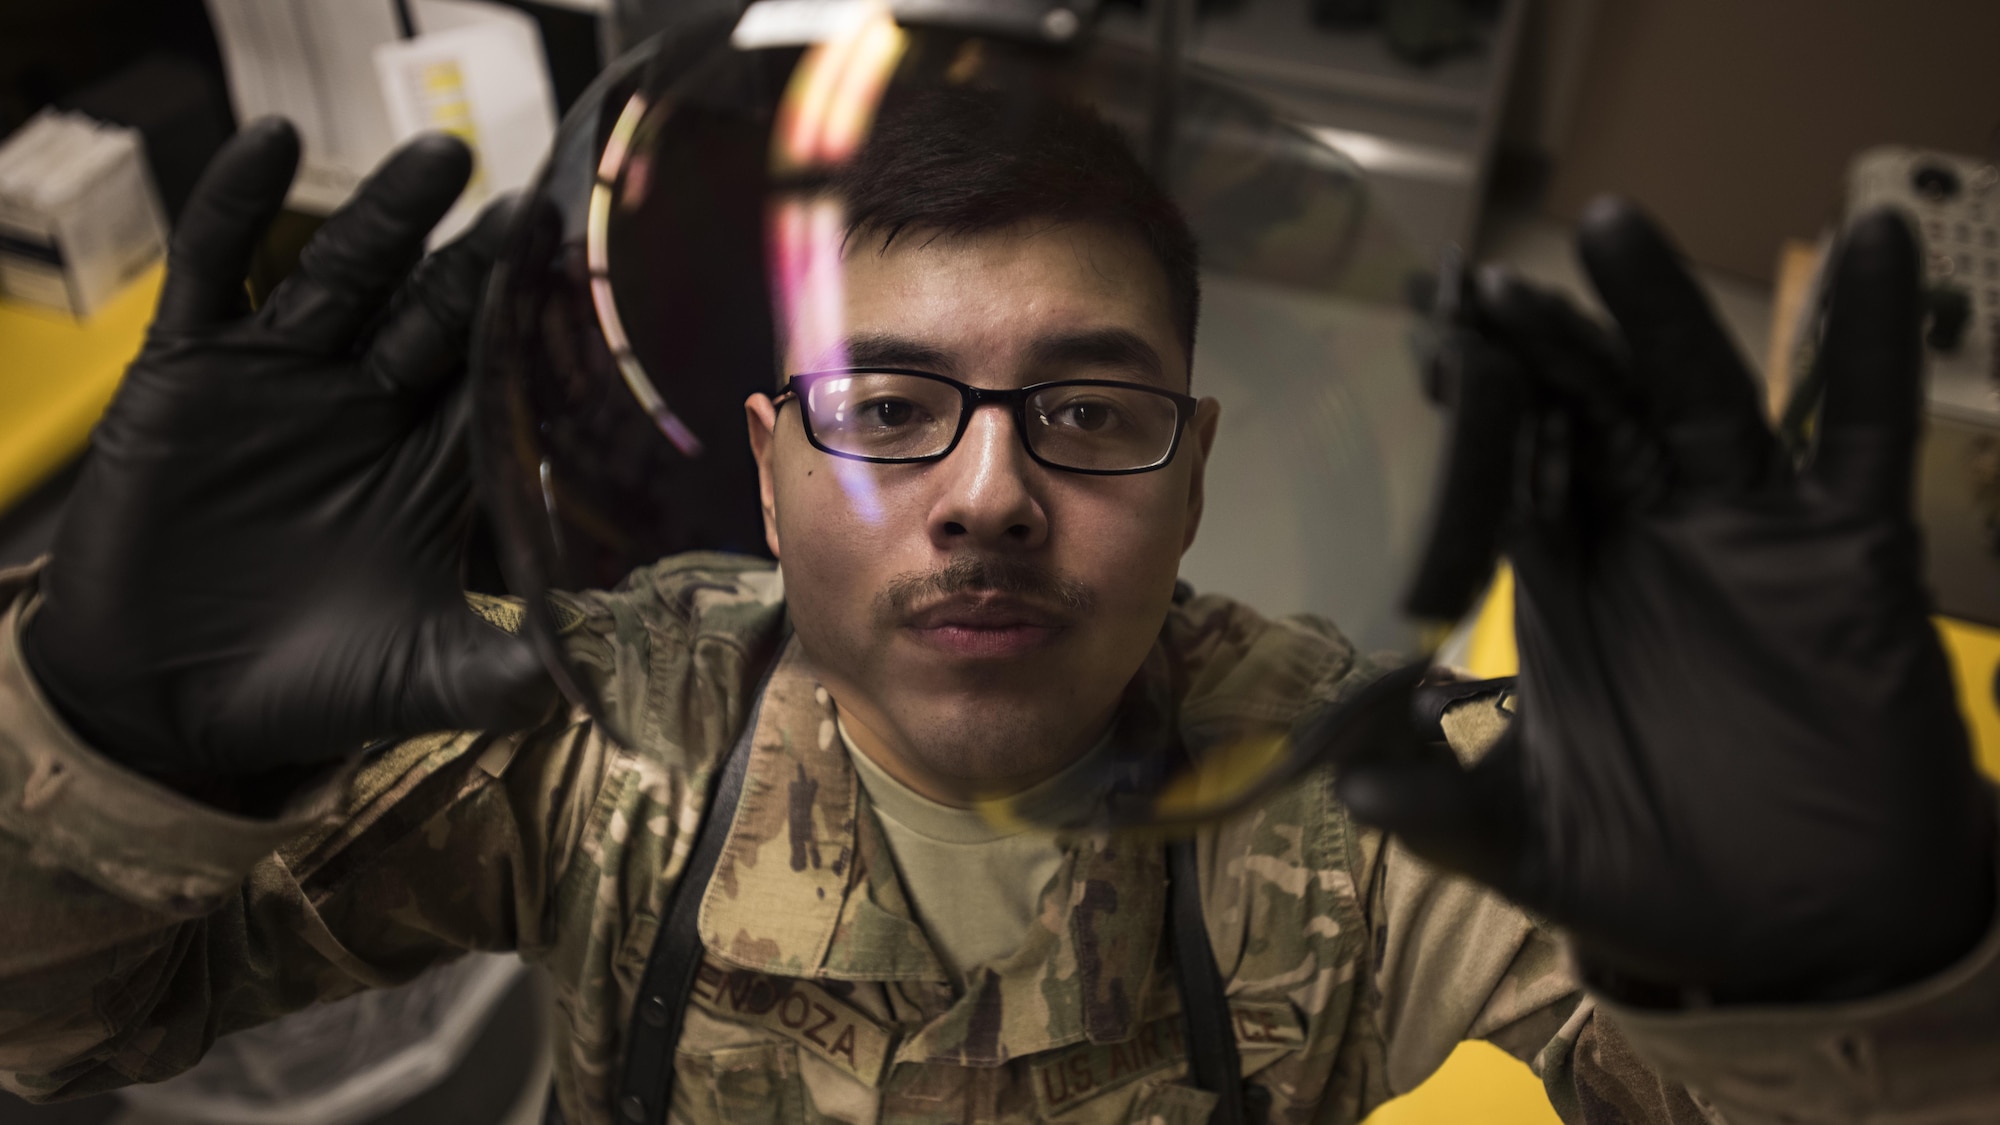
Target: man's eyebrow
x=882 y=349
x=1100 y=347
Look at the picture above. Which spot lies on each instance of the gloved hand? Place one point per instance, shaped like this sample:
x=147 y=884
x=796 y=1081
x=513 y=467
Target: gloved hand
x=258 y=565
x=1738 y=771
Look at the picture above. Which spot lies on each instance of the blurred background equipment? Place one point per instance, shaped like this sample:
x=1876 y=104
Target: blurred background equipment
x=1735 y=123
x=1953 y=204
x=1415 y=92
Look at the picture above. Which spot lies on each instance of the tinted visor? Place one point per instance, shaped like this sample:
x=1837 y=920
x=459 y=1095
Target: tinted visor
x=681 y=252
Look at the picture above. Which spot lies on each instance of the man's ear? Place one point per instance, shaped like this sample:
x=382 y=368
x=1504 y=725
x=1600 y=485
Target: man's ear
x=1202 y=430
x=761 y=415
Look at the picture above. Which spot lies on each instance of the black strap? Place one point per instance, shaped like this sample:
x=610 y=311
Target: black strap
x=1209 y=1032
x=646 y=1085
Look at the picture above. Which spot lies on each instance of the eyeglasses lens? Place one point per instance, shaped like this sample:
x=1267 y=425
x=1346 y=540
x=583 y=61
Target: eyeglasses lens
x=907 y=417
x=1101 y=428
x=877 y=414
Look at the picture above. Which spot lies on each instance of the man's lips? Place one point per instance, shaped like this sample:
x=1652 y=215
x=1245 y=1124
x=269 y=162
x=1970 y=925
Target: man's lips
x=985 y=626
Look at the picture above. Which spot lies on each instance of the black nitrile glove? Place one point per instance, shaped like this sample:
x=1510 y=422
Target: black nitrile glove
x=1738 y=772
x=258 y=567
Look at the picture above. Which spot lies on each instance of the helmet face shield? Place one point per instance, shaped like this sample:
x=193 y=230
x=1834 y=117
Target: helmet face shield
x=689 y=244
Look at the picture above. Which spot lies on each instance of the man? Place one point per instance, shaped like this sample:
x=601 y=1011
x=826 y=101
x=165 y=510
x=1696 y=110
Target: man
x=260 y=576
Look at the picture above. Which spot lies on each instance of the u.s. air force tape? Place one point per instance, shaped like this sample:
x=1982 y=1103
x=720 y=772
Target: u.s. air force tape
x=1064 y=1079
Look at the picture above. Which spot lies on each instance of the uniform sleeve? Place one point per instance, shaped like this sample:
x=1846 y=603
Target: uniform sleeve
x=137 y=925
x=1926 y=1052
x=1456 y=962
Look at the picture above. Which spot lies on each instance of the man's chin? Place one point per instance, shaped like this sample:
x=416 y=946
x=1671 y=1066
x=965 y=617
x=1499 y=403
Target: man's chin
x=994 y=681
x=991 y=743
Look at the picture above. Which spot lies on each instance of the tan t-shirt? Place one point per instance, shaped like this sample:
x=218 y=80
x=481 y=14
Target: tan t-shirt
x=973 y=886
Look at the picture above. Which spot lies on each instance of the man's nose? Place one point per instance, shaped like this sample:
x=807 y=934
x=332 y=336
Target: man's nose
x=986 y=498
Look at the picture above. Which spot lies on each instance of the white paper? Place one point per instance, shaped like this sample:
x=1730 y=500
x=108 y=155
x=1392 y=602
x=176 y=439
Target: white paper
x=312 y=61
x=795 y=23
x=484 y=79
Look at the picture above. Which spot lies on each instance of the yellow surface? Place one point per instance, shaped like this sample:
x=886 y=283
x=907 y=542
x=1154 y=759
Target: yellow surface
x=1490 y=651
x=56 y=377
x=1478 y=1085
x=1975 y=655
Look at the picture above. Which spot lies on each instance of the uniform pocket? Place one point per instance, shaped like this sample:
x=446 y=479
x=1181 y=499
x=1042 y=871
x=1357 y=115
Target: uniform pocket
x=754 y=1085
x=1167 y=1103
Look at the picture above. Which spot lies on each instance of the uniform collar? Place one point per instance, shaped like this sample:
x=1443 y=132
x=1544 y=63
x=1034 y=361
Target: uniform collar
x=789 y=862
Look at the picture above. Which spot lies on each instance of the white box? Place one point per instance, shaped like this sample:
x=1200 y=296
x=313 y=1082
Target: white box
x=78 y=214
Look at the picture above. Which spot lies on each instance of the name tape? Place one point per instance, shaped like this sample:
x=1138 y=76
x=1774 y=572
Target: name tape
x=815 y=1019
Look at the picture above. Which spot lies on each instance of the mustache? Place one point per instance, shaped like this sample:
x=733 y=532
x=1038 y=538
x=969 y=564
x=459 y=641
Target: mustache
x=972 y=574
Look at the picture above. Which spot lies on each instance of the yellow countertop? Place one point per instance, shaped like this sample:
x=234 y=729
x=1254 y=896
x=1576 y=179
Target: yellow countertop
x=57 y=374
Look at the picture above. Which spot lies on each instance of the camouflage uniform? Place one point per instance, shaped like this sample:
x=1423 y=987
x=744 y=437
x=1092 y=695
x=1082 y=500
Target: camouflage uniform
x=138 y=925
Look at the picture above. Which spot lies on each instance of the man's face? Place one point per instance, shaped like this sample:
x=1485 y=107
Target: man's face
x=977 y=618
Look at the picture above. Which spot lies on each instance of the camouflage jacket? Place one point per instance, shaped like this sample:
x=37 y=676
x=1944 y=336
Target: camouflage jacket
x=137 y=925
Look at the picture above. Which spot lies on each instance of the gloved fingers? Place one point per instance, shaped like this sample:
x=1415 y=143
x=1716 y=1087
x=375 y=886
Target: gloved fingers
x=1396 y=778
x=1486 y=398
x=1702 y=400
x=219 y=229
x=1560 y=346
x=1571 y=354
x=429 y=326
x=433 y=499
x=355 y=261
x=1872 y=359
x=470 y=675
x=1462 y=819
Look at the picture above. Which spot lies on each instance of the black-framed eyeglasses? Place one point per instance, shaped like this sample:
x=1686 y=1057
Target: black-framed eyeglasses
x=891 y=416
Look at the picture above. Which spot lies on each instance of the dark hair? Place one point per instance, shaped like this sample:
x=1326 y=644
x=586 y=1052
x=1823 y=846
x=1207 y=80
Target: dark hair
x=957 y=161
